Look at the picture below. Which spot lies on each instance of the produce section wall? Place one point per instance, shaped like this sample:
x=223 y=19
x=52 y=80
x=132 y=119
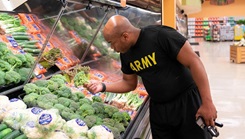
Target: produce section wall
x=208 y=10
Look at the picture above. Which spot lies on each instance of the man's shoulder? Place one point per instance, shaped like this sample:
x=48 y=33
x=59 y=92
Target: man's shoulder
x=161 y=28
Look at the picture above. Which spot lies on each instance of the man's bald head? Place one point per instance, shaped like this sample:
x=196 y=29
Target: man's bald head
x=116 y=25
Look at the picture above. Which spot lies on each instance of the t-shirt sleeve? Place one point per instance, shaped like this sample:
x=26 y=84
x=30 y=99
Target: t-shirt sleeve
x=125 y=67
x=171 y=41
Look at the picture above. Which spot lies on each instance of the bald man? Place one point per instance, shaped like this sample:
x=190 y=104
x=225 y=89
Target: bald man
x=172 y=73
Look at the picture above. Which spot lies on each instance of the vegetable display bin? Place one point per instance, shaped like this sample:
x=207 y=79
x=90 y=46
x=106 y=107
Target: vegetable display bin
x=237 y=54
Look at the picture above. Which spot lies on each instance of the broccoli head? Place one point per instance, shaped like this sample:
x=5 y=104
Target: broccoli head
x=4 y=66
x=2 y=80
x=59 y=81
x=98 y=107
x=109 y=122
x=76 y=116
x=31 y=99
x=77 y=96
x=52 y=86
x=24 y=73
x=64 y=91
x=41 y=83
x=64 y=101
x=74 y=105
x=115 y=132
x=48 y=98
x=58 y=76
x=30 y=88
x=118 y=116
x=3 y=49
x=126 y=116
x=45 y=105
x=90 y=120
x=12 y=60
x=59 y=107
x=97 y=99
x=81 y=78
x=86 y=110
x=120 y=127
x=21 y=57
x=12 y=77
x=67 y=114
x=110 y=110
x=43 y=90
x=29 y=60
x=85 y=101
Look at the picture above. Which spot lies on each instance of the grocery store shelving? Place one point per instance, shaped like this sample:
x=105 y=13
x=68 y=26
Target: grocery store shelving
x=196 y=26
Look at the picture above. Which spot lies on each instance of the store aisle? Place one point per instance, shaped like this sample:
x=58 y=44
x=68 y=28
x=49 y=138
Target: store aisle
x=227 y=82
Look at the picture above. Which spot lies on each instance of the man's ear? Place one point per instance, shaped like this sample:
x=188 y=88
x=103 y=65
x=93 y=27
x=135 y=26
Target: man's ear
x=125 y=35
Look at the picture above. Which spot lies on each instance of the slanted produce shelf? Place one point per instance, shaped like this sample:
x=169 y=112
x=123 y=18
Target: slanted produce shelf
x=135 y=126
x=132 y=131
x=4 y=90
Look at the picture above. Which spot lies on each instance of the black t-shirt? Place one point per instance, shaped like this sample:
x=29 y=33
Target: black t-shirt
x=154 y=58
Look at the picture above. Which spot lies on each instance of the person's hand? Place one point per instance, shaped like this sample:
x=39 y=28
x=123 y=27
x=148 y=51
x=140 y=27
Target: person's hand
x=93 y=86
x=208 y=112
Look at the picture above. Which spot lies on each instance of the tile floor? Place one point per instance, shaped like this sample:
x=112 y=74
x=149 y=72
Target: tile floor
x=227 y=82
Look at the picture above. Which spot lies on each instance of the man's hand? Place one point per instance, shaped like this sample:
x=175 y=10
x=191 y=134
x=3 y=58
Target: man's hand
x=94 y=86
x=208 y=112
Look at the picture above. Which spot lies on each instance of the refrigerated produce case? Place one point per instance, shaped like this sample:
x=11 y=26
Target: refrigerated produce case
x=67 y=25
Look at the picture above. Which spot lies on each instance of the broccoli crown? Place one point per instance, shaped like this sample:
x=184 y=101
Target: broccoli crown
x=3 y=49
x=64 y=101
x=115 y=132
x=98 y=107
x=109 y=122
x=67 y=114
x=97 y=99
x=21 y=57
x=76 y=116
x=12 y=60
x=31 y=99
x=12 y=77
x=41 y=83
x=29 y=60
x=126 y=116
x=59 y=81
x=85 y=101
x=4 y=66
x=80 y=78
x=120 y=127
x=45 y=105
x=64 y=91
x=74 y=105
x=43 y=90
x=86 y=110
x=77 y=96
x=52 y=86
x=90 y=120
x=118 y=116
x=60 y=107
x=23 y=73
x=30 y=88
x=48 y=98
x=110 y=110
x=2 y=80
x=58 y=76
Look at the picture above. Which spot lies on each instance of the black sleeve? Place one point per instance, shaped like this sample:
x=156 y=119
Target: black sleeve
x=125 y=67
x=171 y=41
